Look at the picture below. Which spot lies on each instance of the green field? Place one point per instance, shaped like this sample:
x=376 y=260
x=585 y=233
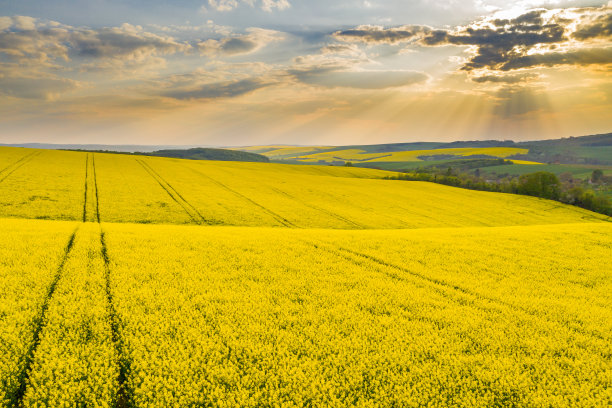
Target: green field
x=130 y=281
x=580 y=172
x=330 y=154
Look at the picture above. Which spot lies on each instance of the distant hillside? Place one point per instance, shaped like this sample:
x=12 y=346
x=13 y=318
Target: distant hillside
x=582 y=150
x=200 y=153
x=66 y=185
x=594 y=149
x=98 y=147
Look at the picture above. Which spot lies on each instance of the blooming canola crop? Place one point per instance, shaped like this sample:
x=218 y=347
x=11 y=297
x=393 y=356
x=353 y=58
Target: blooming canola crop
x=292 y=286
x=239 y=316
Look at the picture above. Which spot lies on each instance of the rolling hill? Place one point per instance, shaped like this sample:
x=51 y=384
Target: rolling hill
x=137 y=281
x=577 y=151
x=138 y=189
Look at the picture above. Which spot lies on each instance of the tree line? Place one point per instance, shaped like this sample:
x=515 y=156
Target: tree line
x=539 y=184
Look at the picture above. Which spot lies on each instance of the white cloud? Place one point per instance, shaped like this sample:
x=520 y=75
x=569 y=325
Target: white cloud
x=266 y=5
x=36 y=43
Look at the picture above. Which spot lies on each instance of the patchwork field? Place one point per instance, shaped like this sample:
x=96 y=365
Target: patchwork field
x=291 y=286
x=316 y=154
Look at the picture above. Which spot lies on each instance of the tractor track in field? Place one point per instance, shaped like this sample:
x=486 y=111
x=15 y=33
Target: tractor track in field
x=25 y=156
x=38 y=323
x=85 y=193
x=274 y=215
x=124 y=393
x=322 y=210
x=124 y=397
x=93 y=164
x=443 y=287
x=351 y=255
x=191 y=211
x=10 y=169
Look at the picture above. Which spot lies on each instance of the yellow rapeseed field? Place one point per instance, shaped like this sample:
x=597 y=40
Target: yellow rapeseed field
x=236 y=316
x=292 y=286
x=146 y=190
x=357 y=155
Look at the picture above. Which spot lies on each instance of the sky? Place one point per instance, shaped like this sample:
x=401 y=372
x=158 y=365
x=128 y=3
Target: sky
x=303 y=72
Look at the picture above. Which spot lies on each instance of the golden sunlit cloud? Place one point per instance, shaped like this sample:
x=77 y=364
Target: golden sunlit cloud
x=518 y=74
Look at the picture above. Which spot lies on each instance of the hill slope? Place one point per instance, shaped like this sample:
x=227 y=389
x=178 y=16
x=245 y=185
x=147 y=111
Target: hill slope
x=98 y=311
x=201 y=153
x=482 y=317
x=121 y=188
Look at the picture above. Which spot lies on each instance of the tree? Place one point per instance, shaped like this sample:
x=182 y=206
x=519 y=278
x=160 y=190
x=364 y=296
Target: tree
x=540 y=184
x=597 y=176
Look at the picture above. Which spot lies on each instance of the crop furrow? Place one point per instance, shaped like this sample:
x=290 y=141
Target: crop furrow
x=324 y=211
x=123 y=399
x=17 y=165
x=124 y=394
x=465 y=291
x=439 y=289
x=274 y=215
x=17 y=162
x=95 y=178
x=38 y=323
x=175 y=195
x=85 y=193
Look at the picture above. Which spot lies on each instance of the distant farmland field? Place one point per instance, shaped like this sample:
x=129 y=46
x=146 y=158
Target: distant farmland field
x=123 y=188
x=151 y=282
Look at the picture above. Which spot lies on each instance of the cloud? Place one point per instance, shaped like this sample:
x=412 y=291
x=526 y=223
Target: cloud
x=378 y=34
x=33 y=85
x=506 y=79
x=361 y=79
x=349 y=50
x=265 y=5
x=580 y=57
x=255 y=39
x=226 y=89
x=596 y=26
x=534 y=38
x=30 y=41
x=127 y=41
x=499 y=42
x=223 y=5
x=339 y=66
